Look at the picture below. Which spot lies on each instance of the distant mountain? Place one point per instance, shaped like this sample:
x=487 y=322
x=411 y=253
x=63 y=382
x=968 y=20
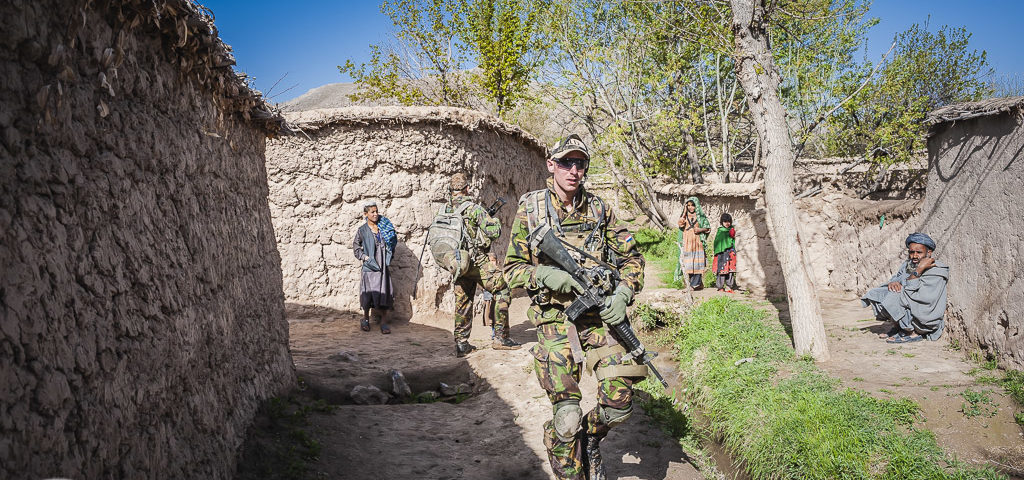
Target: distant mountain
x=545 y=121
x=332 y=95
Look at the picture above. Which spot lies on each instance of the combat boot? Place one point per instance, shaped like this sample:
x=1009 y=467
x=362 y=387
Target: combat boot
x=505 y=344
x=463 y=348
x=592 y=464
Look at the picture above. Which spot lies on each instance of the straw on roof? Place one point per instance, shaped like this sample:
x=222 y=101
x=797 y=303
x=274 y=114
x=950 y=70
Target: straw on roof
x=471 y=120
x=202 y=56
x=969 y=110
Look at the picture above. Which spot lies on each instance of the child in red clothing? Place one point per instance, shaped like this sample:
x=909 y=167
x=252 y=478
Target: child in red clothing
x=724 y=263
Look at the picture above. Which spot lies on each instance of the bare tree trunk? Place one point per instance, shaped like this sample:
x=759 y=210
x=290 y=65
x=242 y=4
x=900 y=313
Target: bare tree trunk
x=654 y=215
x=691 y=157
x=756 y=71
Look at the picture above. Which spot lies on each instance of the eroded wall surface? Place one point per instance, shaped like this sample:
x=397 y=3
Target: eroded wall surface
x=974 y=212
x=401 y=158
x=141 y=306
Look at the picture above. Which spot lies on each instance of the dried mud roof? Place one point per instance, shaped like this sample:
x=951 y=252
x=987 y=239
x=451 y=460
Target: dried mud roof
x=750 y=190
x=201 y=54
x=310 y=121
x=969 y=110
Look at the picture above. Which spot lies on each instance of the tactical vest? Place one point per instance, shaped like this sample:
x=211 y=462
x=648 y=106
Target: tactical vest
x=587 y=236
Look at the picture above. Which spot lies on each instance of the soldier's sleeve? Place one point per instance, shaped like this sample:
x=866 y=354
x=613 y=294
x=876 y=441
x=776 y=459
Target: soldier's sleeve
x=630 y=260
x=518 y=260
x=490 y=226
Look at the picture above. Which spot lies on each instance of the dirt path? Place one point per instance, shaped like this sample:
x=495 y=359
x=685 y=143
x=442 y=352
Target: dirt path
x=496 y=433
x=931 y=373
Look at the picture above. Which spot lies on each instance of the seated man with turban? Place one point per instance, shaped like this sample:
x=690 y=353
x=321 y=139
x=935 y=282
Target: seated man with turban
x=915 y=297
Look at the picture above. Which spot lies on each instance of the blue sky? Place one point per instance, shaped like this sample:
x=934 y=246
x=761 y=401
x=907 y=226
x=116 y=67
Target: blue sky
x=305 y=41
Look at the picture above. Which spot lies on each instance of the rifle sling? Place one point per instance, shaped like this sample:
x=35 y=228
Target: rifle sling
x=574 y=341
x=599 y=353
x=621 y=371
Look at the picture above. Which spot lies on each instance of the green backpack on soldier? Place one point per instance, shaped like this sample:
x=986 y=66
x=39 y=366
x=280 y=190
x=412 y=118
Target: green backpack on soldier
x=447 y=239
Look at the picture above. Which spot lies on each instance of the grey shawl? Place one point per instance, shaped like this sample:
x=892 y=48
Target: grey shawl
x=363 y=247
x=921 y=304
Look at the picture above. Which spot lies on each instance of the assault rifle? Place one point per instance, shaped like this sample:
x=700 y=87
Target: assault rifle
x=491 y=210
x=598 y=282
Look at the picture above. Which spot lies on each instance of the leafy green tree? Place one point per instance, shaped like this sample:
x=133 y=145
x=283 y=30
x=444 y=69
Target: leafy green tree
x=884 y=120
x=425 y=67
x=438 y=39
x=505 y=41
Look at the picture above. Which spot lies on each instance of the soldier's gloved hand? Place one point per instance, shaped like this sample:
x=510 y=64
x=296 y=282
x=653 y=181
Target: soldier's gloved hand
x=556 y=279
x=614 y=311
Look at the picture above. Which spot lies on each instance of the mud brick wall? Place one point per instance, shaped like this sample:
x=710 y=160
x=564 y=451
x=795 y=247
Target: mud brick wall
x=973 y=211
x=141 y=306
x=845 y=241
x=401 y=157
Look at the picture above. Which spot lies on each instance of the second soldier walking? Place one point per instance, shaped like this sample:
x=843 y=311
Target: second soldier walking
x=480 y=230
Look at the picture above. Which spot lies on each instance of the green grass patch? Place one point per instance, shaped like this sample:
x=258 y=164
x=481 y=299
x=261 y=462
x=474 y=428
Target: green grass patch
x=782 y=417
x=1012 y=382
x=1014 y=385
x=978 y=403
x=646 y=317
x=660 y=250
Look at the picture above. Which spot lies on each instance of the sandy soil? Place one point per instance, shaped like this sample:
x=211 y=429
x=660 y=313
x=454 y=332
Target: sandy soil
x=496 y=433
x=932 y=374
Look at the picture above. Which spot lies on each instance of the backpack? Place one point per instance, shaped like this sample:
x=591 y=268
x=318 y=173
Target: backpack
x=446 y=238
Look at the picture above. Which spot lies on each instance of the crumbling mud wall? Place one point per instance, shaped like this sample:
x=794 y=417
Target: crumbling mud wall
x=141 y=313
x=402 y=158
x=845 y=240
x=855 y=244
x=973 y=211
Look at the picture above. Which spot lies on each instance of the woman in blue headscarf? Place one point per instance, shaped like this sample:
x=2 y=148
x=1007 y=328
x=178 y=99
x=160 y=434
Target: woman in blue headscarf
x=375 y=245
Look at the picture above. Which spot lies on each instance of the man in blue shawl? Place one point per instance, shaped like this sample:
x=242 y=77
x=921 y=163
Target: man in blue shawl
x=374 y=245
x=915 y=297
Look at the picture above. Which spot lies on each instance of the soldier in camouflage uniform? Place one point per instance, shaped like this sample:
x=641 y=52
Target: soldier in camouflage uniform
x=566 y=349
x=481 y=230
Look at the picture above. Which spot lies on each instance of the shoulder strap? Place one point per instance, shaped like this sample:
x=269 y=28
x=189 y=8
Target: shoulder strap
x=463 y=207
x=552 y=215
x=596 y=209
x=533 y=206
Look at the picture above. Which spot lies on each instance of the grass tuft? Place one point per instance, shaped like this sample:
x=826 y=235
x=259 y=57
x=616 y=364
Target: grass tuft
x=279 y=445
x=978 y=403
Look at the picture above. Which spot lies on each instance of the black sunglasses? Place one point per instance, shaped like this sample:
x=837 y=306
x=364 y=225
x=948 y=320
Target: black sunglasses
x=567 y=163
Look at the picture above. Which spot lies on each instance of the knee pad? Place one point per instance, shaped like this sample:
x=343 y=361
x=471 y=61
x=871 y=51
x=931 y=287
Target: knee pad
x=567 y=420
x=614 y=416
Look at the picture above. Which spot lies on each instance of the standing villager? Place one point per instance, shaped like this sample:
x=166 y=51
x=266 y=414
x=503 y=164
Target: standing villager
x=480 y=230
x=693 y=232
x=724 y=263
x=374 y=245
x=915 y=297
x=565 y=349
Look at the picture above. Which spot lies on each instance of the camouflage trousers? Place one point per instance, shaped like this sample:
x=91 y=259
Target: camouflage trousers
x=486 y=272
x=559 y=375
